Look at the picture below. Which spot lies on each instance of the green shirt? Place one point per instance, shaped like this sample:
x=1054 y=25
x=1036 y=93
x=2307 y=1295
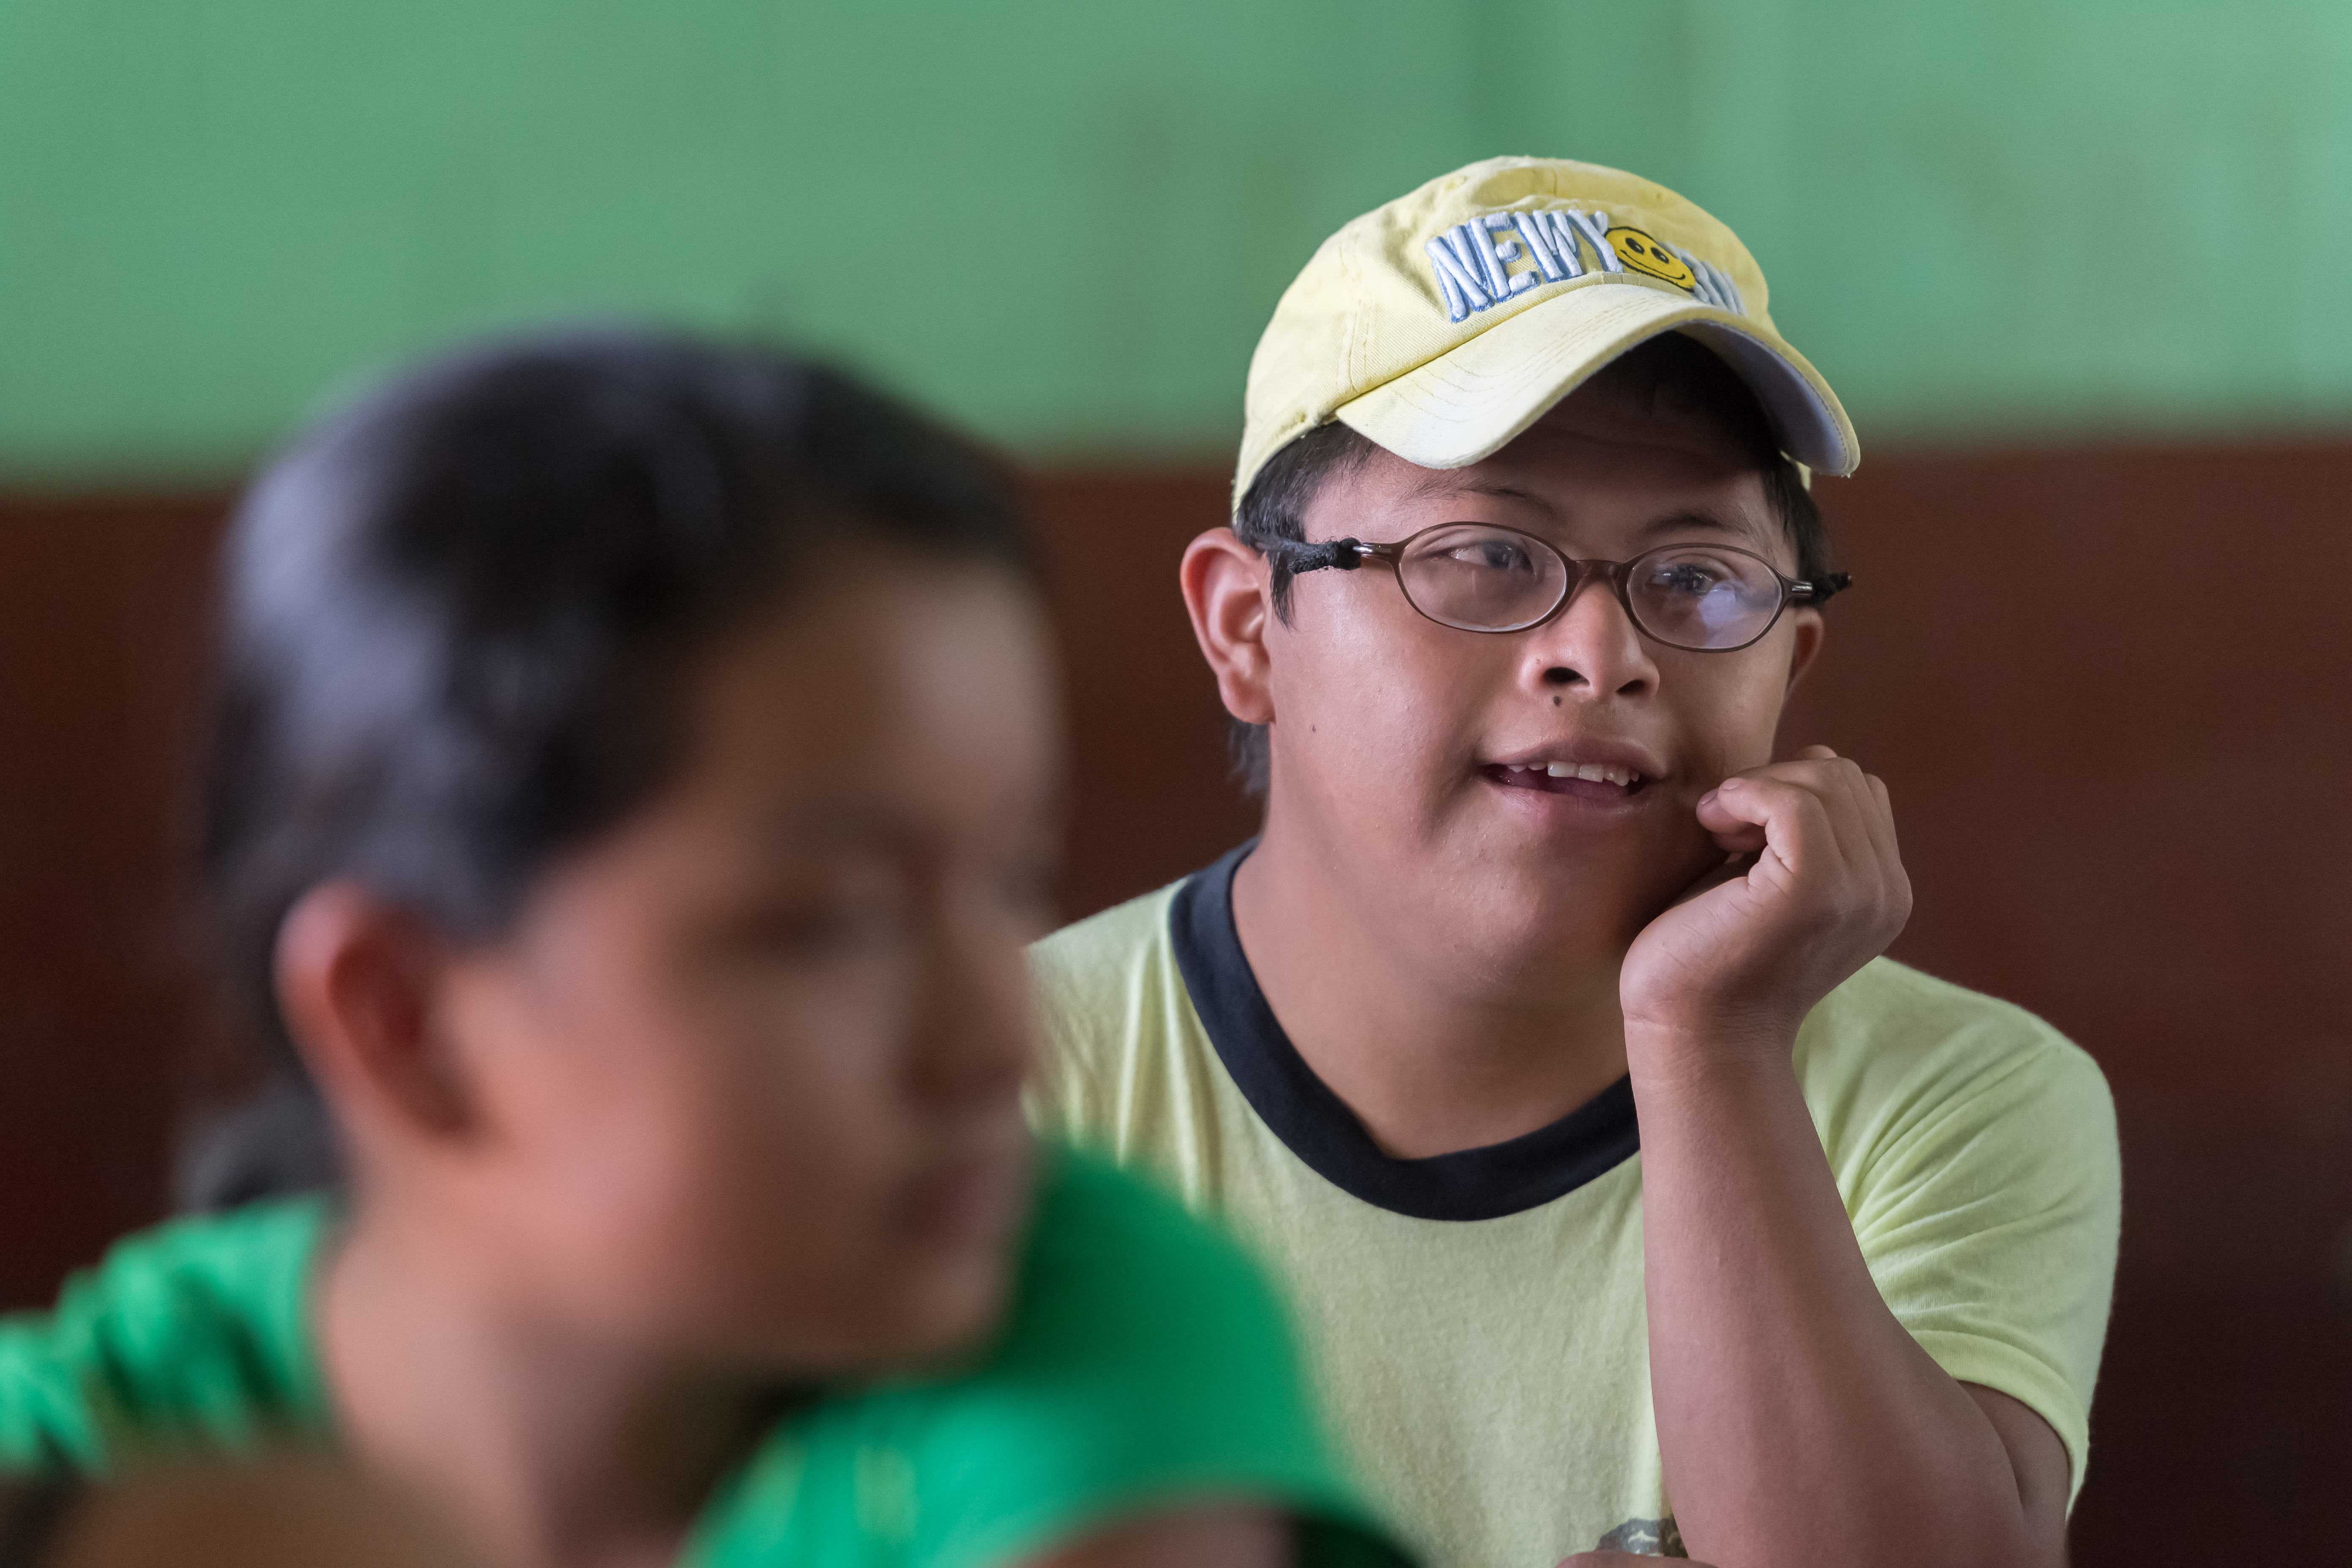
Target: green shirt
x=1145 y=1363
x=1478 y=1320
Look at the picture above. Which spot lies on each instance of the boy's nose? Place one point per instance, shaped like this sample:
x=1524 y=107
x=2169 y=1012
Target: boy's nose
x=1590 y=647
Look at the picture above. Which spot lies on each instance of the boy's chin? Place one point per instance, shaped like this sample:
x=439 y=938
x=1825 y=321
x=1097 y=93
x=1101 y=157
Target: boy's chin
x=1545 y=917
x=1534 y=961
x=1603 y=893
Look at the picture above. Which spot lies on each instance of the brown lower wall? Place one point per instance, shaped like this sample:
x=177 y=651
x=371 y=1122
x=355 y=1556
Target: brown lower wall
x=2111 y=690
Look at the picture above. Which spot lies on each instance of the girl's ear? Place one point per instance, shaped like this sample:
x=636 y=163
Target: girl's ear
x=359 y=981
x=1227 y=592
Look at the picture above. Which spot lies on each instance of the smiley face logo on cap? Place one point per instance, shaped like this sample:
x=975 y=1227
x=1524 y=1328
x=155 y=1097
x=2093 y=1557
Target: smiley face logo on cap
x=1643 y=254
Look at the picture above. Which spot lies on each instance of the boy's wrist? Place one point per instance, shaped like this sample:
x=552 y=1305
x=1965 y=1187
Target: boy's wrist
x=1727 y=1053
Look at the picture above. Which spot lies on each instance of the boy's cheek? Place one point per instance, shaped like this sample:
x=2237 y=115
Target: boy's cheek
x=1405 y=758
x=1730 y=735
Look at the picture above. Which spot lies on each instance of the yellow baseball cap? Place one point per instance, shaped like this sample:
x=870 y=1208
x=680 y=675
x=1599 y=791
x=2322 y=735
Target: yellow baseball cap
x=1442 y=325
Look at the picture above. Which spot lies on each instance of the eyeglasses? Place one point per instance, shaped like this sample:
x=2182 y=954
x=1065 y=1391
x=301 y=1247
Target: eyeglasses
x=1708 y=598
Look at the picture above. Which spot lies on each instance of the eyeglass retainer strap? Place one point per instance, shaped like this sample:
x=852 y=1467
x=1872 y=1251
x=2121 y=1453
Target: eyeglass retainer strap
x=1817 y=593
x=1346 y=555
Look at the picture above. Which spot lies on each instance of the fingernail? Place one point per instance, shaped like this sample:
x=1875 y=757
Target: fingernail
x=1708 y=798
x=1731 y=783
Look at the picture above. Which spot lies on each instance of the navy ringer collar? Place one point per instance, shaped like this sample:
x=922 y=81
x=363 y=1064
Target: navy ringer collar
x=1500 y=1179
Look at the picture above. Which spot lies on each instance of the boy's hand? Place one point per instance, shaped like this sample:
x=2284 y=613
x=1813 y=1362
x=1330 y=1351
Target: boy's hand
x=1814 y=891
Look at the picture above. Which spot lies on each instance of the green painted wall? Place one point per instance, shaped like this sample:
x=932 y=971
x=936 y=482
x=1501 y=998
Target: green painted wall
x=1065 y=222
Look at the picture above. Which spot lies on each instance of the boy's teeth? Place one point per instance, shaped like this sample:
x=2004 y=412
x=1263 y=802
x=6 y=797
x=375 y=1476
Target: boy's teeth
x=1595 y=773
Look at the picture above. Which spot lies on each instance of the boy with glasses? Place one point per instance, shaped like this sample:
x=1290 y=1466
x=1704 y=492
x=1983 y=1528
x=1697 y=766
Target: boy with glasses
x=1541 y=1037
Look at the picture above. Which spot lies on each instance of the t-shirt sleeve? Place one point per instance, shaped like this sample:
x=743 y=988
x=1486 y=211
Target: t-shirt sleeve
x=1985 y=1187
x=190 y=1338
x=1148 y=1366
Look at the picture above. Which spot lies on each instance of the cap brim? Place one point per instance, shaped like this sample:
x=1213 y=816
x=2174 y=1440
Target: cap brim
x=1468 y=403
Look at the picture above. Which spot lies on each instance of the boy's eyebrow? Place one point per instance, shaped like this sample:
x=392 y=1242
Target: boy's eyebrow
x=1687 y=518
x=1445 y=482
x=1441 y=483
x=1683 y=520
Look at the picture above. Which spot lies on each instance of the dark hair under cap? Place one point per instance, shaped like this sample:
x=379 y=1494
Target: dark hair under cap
x=458 y=614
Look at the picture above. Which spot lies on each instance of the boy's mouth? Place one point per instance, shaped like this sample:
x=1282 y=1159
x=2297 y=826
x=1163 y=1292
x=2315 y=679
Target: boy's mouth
x=1602 y=781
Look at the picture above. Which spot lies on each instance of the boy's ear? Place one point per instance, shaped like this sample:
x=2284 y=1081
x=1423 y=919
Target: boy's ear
x=1810 y=629
x=358 y=983
x=1227 y=593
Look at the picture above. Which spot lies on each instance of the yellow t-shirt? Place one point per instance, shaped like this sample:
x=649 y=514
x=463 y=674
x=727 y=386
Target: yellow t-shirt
x=1478 y=1318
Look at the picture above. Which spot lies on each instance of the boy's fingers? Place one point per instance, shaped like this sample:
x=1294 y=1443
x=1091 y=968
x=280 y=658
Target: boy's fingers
x=1726 y=811
x=1866 y=825
x=1819 y=798
x=1736 y=832
x=1745 y=839
x=1734 y=866
x=1795 y=819
x=1881 y=823
x=1865 y=818
x=1867 y=821
x=1859 y=815
x=1837 y=785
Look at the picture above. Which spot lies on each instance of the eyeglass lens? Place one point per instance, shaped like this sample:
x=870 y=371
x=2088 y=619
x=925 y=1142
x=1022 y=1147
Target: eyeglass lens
x=1495 y=580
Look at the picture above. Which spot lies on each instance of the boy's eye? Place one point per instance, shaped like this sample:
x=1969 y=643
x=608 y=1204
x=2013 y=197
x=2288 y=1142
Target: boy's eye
x=1686 y=577
x=1492 y=554
x=1475 y=554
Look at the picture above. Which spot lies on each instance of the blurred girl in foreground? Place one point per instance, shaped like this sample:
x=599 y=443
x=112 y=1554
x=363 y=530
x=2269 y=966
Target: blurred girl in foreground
x=634 y=780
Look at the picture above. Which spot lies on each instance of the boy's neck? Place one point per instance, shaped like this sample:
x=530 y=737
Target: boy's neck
x=1428 y=1064
x=544 y=1448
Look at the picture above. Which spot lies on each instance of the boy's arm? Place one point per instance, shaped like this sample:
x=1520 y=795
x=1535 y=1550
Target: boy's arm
x=1799 y=1422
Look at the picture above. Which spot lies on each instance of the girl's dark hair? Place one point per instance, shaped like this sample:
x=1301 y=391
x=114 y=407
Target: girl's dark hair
x=1672 y=372
x=459 y=616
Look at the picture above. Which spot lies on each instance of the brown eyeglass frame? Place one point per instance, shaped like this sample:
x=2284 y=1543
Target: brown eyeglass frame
x=1348 y=555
